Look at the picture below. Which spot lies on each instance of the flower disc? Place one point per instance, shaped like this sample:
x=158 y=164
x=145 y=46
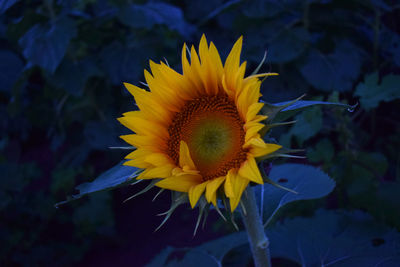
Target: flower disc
x=213 y=130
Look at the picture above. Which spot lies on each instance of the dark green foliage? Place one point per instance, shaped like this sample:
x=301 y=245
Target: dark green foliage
x=62 y=64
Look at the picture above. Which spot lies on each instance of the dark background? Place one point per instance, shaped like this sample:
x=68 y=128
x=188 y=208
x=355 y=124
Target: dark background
x=62 y=64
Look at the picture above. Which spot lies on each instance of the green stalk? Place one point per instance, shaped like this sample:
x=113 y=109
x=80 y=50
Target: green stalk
x=259 y=242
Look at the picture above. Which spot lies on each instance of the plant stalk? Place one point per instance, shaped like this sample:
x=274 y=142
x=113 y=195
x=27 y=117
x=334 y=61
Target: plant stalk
x=259 y=243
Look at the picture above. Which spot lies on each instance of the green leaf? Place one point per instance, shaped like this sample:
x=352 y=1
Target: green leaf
x=10 y=69
x=371 y=93
x=153 y=13
x=336 y=71
x=323 y=151
x=335 y=239
x=308 y=181
x=116 y=176
x=6 y=4
x=212 y=252
x=46 y=45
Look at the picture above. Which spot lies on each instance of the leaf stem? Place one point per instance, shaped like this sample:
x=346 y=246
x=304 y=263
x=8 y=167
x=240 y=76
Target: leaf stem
x=259 y=242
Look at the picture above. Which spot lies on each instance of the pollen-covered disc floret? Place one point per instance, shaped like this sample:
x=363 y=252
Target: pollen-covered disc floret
x=198 y=131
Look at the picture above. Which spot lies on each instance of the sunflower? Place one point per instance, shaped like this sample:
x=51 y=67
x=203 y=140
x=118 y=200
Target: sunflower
x=198 y=132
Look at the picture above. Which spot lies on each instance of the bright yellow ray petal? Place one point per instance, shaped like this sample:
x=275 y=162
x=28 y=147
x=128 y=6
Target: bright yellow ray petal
x=140 y=141
x=228 y=186
x=180 y=183
x=137 y=158
x=195 y=192
x=253 y=110
x=158 y=159
x=144 y=127
x=212 y=188
x=249 y=170
x=157 y=172
x=239 y=184
x=252 y=131
x=259 y=148
x=231 y=66
x=184 y=156
x=146 y=104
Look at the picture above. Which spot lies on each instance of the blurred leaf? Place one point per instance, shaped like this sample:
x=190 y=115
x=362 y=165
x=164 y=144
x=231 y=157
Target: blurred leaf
x=155 y=13
x=72 y=76
x=45 y=45
x=308 y=124
x=337 y=71
x=116 y=176
x=10 y=69
x=96 y=215
x=371 y=93
x=63 y=180
x=287 y=45
x=333 y=238
x=390 y=45
x=194 y=257
x=161 y=258
x=101 y=135
x=262 y=8
x=308 y=181
x=6 y=4
x=323 y=151
x=121 y=63
x=212 y=252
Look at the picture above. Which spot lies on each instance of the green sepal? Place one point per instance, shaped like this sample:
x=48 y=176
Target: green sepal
x=177 y=199
x=144 y=190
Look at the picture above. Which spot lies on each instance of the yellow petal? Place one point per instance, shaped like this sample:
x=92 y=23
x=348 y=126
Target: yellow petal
x=228 y=186
x=146 y=104
x=195 y=192
x=253 y=110
x=239 y=184
x=158 y=159
x=138 y=159
x=145 y=127
x=157 y=172
x=259 y=148
x=212 y=188
x=232 y=63
x=140 y=141
x=253 y=131
x=184 y=156
x=180 y=183
x=249 y=170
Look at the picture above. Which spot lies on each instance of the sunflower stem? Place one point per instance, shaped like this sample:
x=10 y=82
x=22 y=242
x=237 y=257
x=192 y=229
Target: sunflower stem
x=259 y=242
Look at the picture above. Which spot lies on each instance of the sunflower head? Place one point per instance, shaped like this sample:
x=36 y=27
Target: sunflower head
x=198 y=132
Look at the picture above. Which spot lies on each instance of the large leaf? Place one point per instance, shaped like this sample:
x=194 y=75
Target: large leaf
x=116 y=176
x=10 y=69
x=287 y=45
x=208 y=254
x=155 y=13
x=72 y=75
x=308 y=124
x=334 y=72
x=371 y=93
x=337 y=239
x=6 y=4
x=308 y=181
x=45 y=45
